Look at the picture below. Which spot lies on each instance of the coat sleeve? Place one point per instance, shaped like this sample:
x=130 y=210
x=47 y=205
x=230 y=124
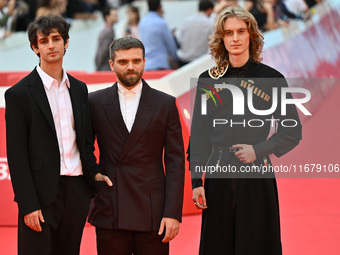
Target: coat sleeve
x=91 y=160
x=285 y=138
x=17 y=155
x=174 y=166
x=199 y=148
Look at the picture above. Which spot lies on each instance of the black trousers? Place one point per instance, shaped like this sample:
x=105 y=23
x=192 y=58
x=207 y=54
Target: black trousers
x=64 y=221
x=124 y=242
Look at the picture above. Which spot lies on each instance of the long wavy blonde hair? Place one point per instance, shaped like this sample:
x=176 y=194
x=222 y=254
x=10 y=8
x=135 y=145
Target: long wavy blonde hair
x=216 y=44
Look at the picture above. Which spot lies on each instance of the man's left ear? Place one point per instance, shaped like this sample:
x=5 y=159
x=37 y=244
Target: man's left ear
x=111 y=65
x=35 y=49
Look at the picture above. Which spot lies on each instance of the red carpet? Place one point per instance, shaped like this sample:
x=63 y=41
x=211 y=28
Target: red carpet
x=186 y=243
x=310 y=208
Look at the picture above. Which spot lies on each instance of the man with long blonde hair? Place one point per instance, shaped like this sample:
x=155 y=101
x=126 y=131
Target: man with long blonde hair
x=229 y=142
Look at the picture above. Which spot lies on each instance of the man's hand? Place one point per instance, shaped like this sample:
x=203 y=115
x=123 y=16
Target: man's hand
x=32 y=220
x=198 y=193
x=103 y=178
x=246 y=154
x=171 y=227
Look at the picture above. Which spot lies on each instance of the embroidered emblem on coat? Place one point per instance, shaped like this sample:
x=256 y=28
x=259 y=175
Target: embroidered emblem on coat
x=217 y=72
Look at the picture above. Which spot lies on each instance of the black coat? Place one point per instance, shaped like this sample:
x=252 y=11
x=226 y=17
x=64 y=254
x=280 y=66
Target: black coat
x=144 y=190
x=242 y=217
x=32 y=144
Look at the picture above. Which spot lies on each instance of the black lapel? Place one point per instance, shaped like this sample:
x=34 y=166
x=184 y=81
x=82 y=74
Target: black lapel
x=75 y=95
x=113 y=113
x=38 y=92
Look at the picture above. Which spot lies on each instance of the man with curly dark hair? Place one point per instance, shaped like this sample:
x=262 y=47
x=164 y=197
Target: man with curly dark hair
x=47 y=122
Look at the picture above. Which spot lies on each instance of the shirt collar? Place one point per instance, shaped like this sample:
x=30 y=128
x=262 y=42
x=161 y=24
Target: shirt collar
x=135 y=90
x=48 y=80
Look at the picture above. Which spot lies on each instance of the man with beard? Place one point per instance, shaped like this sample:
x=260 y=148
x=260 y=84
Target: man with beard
x=138 y=205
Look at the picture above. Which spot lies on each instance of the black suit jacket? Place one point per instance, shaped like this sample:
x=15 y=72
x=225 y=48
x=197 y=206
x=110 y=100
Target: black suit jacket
x=143 y=191
x=32 y=144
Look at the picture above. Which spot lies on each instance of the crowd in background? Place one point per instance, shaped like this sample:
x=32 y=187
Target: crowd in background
x=165 y=49
x=15 y=15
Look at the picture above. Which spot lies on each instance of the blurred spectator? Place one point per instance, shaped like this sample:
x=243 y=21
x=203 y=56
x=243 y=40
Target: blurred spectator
x=195 y=32
x=11 y=12
x=26 y=14
x=312 y=3
x=51 y=7
x=33 y=6
x=84 y=9
x=105 y=39
x=263 y=11
x=113 y=3
x=220 y=5
x=160 y=45
x=295 y=9
x=7 y=9
x=118 y=3
x=249 y=4
x=133 y=20
x=16 y=19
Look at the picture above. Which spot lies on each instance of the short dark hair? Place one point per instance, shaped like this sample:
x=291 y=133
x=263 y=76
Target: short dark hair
x=154 y=5
x=125 y=43
x=107 y=10
x=205 y=5
x=44 y=25
x=135 y=10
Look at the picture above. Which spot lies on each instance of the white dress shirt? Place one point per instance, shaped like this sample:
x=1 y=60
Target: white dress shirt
x=62 y=112
x=129 y=101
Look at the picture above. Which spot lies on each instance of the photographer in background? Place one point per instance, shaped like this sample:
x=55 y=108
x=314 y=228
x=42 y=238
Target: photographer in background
x=6 y=17
x=13 y=17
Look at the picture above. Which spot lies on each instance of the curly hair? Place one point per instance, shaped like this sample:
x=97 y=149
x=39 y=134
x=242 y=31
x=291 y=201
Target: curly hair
x=216 y=44
x=44 y=25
